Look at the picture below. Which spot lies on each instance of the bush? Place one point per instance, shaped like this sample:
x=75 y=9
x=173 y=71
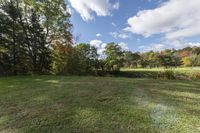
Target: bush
x=198 y=76
x=168 y=74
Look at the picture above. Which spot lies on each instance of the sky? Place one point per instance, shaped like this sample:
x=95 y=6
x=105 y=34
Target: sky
x=136 y=25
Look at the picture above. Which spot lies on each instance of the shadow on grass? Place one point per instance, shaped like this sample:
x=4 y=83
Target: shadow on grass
x=93 y=104
x=73 y=104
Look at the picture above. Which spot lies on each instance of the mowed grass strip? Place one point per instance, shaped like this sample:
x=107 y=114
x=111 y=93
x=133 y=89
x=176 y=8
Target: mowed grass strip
x=98 y=104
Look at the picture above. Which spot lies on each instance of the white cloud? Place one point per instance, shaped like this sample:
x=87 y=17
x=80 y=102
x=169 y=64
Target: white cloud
x=119 y=35
x=191 y=44
x=166 y=45
x=138 y=39
x=113 y=24
x=123 y=36
x=98 y=35
x=180 y=45
x=100 y=47
x=104 y=45
x=69 y=9
x=116 y=5
x=87 y=8
x=96 y=43
x=124 y=46
x=114 y=34
x=175 y=19
x=152 y=47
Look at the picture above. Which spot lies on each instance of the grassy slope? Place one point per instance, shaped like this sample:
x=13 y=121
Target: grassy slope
x=91 y=104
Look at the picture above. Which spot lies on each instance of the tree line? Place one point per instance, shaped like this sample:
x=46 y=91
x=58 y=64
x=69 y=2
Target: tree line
x=35 y=38
x=186 y=57
x=31 y=32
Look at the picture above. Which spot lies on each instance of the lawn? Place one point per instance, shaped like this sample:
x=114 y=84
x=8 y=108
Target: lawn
x=98 y=104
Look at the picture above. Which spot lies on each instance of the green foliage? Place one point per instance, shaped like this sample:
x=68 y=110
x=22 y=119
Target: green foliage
x=114 y=57
x=28 y=30
x=196 y=50
x=162 y=73
x=62 y=59
x=11 y=40
x=150 y=59
x=131 y=60
x=187 y=61
x=170 y=60
x=195 y=59
x=168 y=74
x=87 y=58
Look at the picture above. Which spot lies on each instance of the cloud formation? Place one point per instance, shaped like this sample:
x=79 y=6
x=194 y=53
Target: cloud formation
x=99 y=45
x=175 y=19
x=87 y=8
x=124 y=46
x=113 y=24
x=166 y=45
x=119 y=35
x=152 y=47
x=98 y=35
x=96 y=43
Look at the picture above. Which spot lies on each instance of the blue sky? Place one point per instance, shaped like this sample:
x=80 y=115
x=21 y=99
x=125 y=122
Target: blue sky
x=137 y=25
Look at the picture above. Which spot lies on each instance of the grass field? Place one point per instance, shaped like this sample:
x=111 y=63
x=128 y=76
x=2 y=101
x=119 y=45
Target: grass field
x=184 y=69
x=98 y=104
x=178 y=73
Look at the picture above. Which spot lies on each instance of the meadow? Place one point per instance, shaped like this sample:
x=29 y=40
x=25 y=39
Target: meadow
x=179 y=73
x=98 y=104
x=178 y=69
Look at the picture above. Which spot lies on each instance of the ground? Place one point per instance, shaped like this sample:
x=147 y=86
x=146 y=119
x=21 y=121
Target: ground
x=98 y=104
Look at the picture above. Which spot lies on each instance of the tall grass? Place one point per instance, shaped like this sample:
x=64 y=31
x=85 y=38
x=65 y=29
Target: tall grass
x=162 y=73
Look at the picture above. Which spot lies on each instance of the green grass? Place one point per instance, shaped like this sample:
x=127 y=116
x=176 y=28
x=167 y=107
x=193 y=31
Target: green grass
x=98 y=104
x=189 y=73
x=179 y=69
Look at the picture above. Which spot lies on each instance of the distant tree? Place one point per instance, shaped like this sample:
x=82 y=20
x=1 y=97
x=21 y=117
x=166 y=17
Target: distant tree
x=184 y=53
x=166 y=60
x=150 y=59
x=195 y=60
x=153 y=59
x=196 y=50
x=101 y=64
x=63 y=59
x=114 y=57
x=195 y=57
x=187 y=61
x=131 y=59
x=169 y=60
x=87 y=58
x=166 y=52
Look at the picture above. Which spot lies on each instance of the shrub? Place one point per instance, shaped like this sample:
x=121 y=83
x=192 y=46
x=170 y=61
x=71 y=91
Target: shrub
x=168 y=74
x=198 y=76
